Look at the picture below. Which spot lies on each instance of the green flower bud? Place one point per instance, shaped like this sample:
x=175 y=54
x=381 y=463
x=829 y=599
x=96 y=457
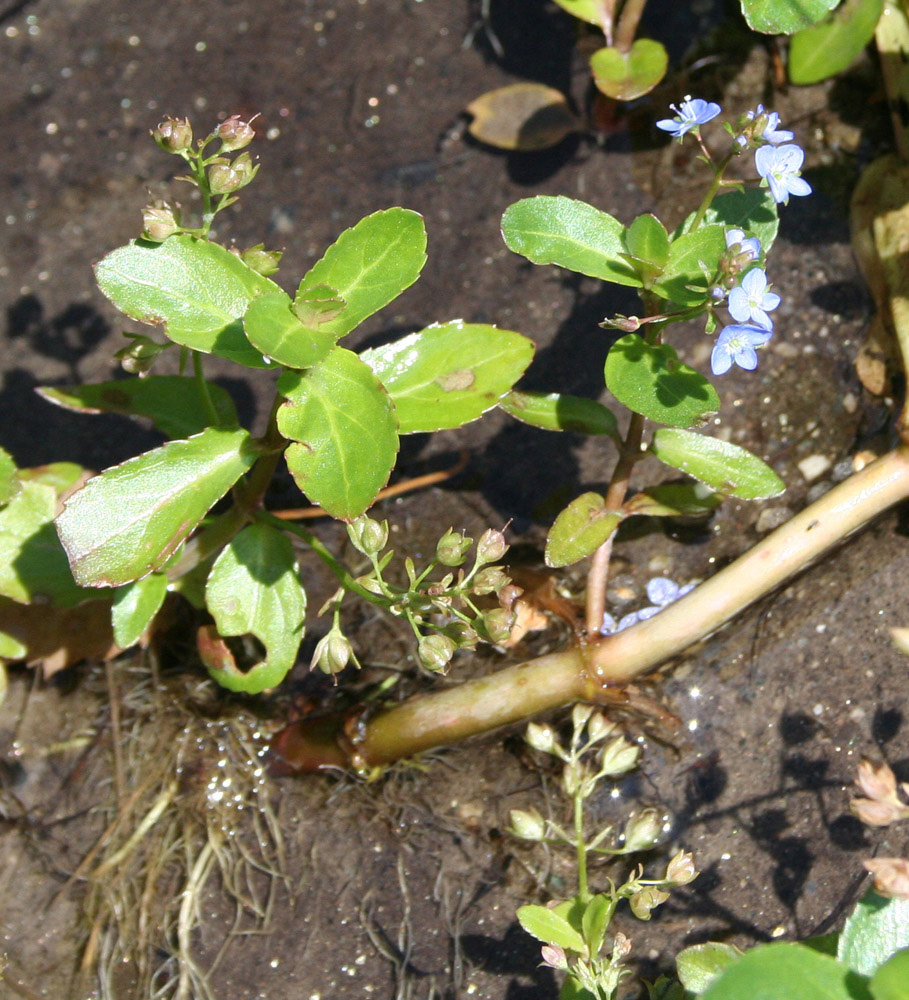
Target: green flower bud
x=575 y=778
x=158 y=222
x=332 y=653
x=645 y=900
x=368 y=536
x=371 y=584
x=528 y=825
x=540 y=738
x=234 y=134
x=681 y=870
x=489 y=580
x=174 y=135
x=579 y=716
x=642 y=831
x=262 y=261
x=435 y=651
x=138 y=357
x=491 y=546
x=498 y=624
x=452 y=548
x=619 y=757
x=226 y=177
x=599 y=727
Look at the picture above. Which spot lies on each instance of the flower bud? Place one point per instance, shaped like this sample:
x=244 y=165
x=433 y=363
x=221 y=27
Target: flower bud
x=642 y=831
x=575 y=779
x=234 y=134
x=509 y=594
x=261 y=261
x=554 y=957
x=332 y=653
x=579 y=716
x=622 y=947
x=599 y=727
x=491 y=546
x=368 y=536
x=158 y=222
x=138 y=357
x=371 y=584
x=873 y=812
x=645 y=900
x=891 y=876
x=489 y=580
x=619 y=757
x=434 y=652
x=540 y=738
x=528 y=825
x=452 y=548
x=877 y=781
x=498 y=624
x=681 y=870
x=226 y=177
x=173 y=135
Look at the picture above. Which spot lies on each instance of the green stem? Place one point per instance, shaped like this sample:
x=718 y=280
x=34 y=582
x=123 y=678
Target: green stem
x=583 y=891
x=628 y=24
x=711 y=192
x=202 y=388
x=525 y=689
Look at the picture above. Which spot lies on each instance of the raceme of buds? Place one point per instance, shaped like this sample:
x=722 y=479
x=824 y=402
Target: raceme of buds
x=225 y=177
x=452 y=548
x=158 y=222
x=891 y=876
x=643 y=831
x=646 y=900
x=262 y=261
x=234 y=134
x=435 y=651
x=174 y=135
x=619 y=757
x=332 y=653
x=540 y=738
x=368 y=536
x=491 y=546
x=528 y=825
x=680 y=870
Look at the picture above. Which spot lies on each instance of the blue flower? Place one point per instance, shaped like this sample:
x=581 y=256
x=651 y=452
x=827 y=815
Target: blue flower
x=770 y=133
x=661 y=591
x=750 y=301
x=750 y=245
x=737 y=343
x=780 y=166
x=690 y=114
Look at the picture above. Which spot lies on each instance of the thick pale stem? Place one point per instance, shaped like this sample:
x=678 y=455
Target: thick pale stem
x=520 y=691
x=628 y=24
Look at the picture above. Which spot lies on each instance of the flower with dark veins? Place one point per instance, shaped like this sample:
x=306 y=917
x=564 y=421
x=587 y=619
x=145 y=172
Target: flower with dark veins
x=750 y=301
x=690 y=114
x=737 y=344
x=779 y=166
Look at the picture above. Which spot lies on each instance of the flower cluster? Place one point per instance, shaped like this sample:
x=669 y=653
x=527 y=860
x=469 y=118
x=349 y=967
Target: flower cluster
x=661 y=592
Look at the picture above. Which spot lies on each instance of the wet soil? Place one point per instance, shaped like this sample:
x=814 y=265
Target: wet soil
x=407 y=887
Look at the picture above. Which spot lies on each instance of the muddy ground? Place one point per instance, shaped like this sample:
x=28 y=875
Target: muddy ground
x=407 y=887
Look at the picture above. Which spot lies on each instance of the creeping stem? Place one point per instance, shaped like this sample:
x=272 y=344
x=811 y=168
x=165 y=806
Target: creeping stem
x=522 y=690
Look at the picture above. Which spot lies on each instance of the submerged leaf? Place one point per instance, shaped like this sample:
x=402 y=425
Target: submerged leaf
x=626 y=76
x=522 y=116
x=784 y=17
x=831 y=46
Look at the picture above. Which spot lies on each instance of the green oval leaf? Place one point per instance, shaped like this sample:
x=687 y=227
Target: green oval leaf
x=272 y=328
x=555 y=411
x=449 y=373
x=171 y=402
x=522 y=116
x=580 y=529
x=254 y=589
x=646 y=239
x=345 y=424
x=649 y=379
x=369 y=265
x=9 y=481
x=673 y=500
x=129 y=520
x=784 y=17
x=135 y=606
x=699 y=965
x=787 y=971
x=891 y=981
x=625 y=76
x=828 y=48
x=593 y=11
x=570 y=233
x=548 y=927
x=198 y=290
x=752 y=209
x=875 y=929
x=33 y=565
x=692 y=263
x=724 y=467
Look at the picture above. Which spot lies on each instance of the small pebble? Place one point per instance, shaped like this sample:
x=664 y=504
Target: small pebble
x=814 y=466
x=817 y=491
x=772 y=517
